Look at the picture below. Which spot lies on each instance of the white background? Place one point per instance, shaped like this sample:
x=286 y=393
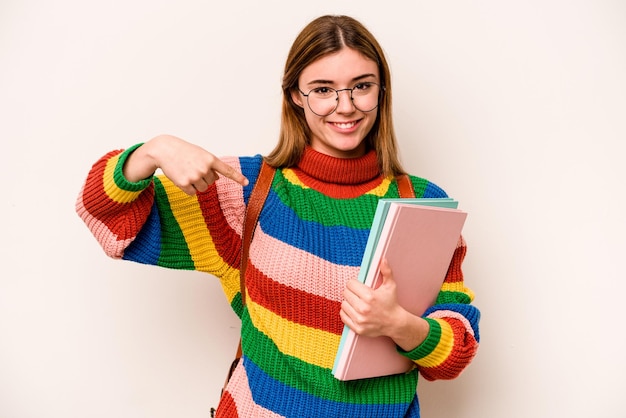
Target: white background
x=518 y=109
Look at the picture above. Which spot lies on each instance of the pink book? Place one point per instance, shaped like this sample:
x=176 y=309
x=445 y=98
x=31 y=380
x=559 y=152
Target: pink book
x=418 y=242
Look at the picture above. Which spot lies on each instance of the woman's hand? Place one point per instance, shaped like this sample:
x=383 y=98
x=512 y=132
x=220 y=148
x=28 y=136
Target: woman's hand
x=376 y=312
x=188 y=166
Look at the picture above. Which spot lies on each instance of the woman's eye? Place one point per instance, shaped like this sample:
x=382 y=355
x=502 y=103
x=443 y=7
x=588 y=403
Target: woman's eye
x=362 y=86
x=322 y=91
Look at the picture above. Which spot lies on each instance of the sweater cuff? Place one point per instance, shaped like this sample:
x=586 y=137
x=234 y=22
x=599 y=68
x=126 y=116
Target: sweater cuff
x=428 y=345
x=118 y=173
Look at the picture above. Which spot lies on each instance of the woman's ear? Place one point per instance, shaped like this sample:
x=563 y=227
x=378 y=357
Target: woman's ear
x=297 y=97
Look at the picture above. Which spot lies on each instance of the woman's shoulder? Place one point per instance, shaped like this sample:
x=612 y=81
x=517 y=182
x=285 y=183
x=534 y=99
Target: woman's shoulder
x=426 y=188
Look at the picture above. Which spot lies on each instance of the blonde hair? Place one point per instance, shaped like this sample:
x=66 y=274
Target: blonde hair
x=323 y=36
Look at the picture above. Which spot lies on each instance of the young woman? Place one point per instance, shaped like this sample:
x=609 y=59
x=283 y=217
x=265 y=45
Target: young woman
x=336 y=156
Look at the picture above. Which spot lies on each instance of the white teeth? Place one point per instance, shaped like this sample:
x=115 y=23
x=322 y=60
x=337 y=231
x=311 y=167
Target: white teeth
x=345 y=125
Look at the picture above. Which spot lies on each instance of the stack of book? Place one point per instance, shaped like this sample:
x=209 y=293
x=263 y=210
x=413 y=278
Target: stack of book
x=418 y=238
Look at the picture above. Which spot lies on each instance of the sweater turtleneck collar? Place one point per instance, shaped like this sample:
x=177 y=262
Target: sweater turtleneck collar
x=342 y=171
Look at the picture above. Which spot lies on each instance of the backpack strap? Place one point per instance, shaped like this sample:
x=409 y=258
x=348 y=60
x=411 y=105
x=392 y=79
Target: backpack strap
x=253 y=210
x=405 y=186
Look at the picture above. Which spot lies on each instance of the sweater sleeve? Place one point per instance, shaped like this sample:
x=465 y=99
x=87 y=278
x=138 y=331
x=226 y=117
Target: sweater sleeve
x=153 y=222
x=453 y=338
x=114 y=209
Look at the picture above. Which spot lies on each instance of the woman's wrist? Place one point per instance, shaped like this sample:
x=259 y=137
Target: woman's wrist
x=410 y=332
x=142 y=162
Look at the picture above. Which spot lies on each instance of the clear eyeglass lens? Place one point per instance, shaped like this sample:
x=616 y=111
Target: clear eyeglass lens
x=324 y=100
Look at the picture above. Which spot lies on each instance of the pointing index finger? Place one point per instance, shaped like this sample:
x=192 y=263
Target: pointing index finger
x=230 y=172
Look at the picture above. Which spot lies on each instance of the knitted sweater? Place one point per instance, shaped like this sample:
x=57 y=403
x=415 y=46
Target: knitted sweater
x=309 y=242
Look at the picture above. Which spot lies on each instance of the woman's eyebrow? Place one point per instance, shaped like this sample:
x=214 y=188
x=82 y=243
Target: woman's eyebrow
x=319 y=82
x=354 y=80
x=361 y=77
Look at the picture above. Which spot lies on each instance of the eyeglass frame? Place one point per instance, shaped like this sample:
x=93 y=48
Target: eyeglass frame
x=337 y=91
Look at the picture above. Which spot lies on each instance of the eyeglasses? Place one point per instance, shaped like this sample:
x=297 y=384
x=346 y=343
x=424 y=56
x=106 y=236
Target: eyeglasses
x=324 y=100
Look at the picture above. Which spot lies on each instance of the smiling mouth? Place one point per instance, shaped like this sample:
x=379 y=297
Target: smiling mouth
x=344 y=125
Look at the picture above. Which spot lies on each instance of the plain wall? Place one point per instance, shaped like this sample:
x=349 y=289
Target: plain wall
x=517 y=109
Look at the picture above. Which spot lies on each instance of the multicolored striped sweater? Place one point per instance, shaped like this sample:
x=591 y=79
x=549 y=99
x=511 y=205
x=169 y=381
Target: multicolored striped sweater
x=309 y=242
